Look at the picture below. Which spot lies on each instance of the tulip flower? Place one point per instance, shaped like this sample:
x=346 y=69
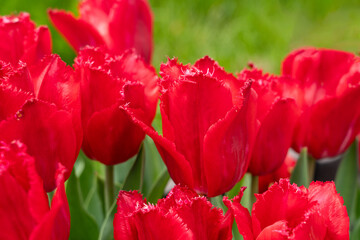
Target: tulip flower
x=182 y=215
x=116 y=25
x=277 y=116
x=287 y=211
x=42 y=110
x=209 y=125
x=24 y=205
x=110 y=85
x=20 y=40
x=326 y=88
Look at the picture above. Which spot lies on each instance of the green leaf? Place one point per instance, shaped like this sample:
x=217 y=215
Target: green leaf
x=246 y=199
x=355 y=234
x=154 y=166
x=83 y=225
x=107 y=228
x=236 y=189
x=235 y=231
x=217 y=202
x=158 y=187
x=346 y=178
x=135 y=177
x=300 y=175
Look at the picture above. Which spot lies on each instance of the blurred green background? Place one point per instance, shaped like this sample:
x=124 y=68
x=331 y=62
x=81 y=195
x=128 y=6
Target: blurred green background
x=233 y=32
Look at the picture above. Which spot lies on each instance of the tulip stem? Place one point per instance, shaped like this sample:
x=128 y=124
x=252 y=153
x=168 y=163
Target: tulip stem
x=109 y=186
x=254 y=189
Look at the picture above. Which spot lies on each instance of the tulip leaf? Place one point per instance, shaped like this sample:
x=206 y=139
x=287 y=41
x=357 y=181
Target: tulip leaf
x=236 y=189
x=155 y=166
x=346 y=178
x=107 y=228
x=83 y=225
x=134 y=179
x=300 y=175
x=355 y=234
x=158 y=187
x=86 y=178
x=236 y=233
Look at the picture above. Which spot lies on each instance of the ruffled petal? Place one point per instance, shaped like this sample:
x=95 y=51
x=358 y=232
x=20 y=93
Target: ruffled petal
x=282 y=202
x=11 y=100
x=332 y=209
x=136 y=220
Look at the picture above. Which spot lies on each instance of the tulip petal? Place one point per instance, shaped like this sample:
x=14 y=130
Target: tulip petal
x=318 y=71
x=117 y=145
x=282 y=201
x=130 y=26
x=278 y=231
x=133 y=68
x=191 y=119
x=19 y=40
x=211 y=68
x=274 y=137
x=178 y=167
x=56 y=223
x=135 y=220
x=332 y=206
x=241 y=214
x=11 y=100
x=15 y=212
x=328 y=128
x=76 y=31
x=49 y=136
x=228 y=145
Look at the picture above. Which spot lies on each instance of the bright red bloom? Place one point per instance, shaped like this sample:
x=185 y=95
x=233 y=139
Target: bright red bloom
x=326 y=87
x=24 y=205
x=41 y=108
x=277 y=117
x=181 y=215
x=209 y=125
x=20 y=40
x=110 y=86
x=286 y=211
x=284 y=171
x=117 y=25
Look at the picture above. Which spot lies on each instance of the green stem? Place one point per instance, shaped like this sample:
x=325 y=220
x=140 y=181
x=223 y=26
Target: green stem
x=109 y=186
x=254 y=189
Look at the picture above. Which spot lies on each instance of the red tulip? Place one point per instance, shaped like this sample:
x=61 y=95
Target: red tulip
x=286 y=211
x=117 y=25
x=284 y=171
x=181 y=215
x=209 y=125
x=109 y=87
x=42 y=110
x=326 y=88
x=277 y=116
x=24 y=205
x=20 y=40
